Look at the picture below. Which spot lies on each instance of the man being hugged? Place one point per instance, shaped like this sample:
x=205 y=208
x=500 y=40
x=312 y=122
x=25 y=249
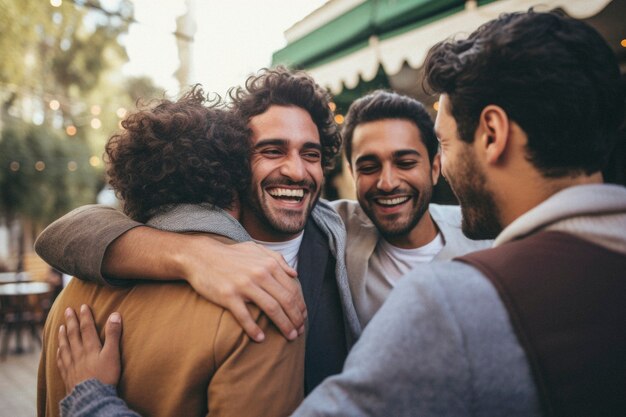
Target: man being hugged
x=178 y=167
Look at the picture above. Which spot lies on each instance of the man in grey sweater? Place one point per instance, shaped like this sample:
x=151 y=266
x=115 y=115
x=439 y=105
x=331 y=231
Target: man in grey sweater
x=533 y=326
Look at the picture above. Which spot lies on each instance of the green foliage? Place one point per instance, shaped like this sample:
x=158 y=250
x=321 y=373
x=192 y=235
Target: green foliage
x=18 y=34
x=65 y=182
x=15 y=183
x=142 y=88
x=68 y=54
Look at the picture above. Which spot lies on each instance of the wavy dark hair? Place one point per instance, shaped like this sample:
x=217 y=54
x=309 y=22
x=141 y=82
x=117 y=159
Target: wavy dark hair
x=381 y=104
x=185 y=151
x=283 y=87
x=553 y=75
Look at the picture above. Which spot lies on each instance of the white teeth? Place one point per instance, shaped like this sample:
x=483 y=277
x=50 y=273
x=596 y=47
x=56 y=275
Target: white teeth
x=392 y=201
x=286 y=192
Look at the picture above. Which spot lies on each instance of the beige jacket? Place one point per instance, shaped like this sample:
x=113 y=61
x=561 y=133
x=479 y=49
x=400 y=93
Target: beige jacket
x=181 y=355
x=369 y=295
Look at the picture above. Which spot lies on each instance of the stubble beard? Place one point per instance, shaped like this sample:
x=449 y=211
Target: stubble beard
x=479 y=211
x=392 y=229
x=281 y=221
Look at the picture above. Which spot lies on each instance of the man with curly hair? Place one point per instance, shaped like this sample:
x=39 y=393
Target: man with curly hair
x=181 y=355
x=531 y=106
x=294 y=138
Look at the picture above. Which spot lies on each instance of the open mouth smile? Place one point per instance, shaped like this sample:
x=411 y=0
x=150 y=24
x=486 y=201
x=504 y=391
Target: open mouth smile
x=287 y=194
x=391 y=202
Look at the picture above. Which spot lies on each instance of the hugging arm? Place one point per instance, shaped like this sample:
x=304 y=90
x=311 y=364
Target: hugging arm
x=101 y=244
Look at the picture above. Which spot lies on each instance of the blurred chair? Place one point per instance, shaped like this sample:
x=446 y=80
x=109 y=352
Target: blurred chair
x=23 y=307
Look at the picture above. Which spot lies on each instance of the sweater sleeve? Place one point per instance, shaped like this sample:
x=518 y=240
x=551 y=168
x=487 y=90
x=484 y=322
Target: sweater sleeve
x=76 y=243
x=92 y=398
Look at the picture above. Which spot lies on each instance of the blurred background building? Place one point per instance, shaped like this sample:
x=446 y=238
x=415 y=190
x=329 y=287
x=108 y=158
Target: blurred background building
x=354 y=46
x=63 y=91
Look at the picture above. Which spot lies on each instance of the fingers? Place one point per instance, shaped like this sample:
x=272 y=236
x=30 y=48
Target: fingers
x=288 y=293
x=241 y=313
x=272 y=308
x=286 y=301
x=112 y=334
x=73 y=331
x=64 y=357
x=281 y=262
x=89 y=334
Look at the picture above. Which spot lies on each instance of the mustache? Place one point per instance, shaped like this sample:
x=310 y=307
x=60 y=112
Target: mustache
x=277 y=182
x=382 y=194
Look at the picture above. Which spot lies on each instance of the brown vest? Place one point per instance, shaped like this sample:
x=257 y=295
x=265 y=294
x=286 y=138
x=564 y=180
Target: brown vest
x=566 y=298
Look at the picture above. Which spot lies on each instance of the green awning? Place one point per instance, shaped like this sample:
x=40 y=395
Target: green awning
x=346 y=42
x=354 y=28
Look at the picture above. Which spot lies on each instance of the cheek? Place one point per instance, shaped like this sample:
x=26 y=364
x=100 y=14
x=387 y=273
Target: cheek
x=261 y=169
x=317 y=173
x=365 y=183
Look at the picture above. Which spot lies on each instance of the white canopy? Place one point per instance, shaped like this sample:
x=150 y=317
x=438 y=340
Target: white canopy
x=412 y=46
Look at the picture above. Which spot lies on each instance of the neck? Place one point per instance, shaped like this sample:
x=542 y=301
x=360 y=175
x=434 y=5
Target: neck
x=423 y=233
x=258 y=229
x=531 y=190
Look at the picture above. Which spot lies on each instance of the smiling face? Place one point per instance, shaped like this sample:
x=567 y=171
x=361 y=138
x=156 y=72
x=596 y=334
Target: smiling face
x=287 y=174
x=467 y=179
x=394 y=178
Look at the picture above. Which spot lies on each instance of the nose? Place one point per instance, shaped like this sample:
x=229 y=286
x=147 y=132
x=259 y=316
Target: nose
x=293 y=168
x=387 y=180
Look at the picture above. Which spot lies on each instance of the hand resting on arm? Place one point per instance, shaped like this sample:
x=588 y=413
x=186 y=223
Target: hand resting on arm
x=95 y=241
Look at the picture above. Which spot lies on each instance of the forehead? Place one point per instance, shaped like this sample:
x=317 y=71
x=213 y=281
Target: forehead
x=289 y=123
x=386 y=136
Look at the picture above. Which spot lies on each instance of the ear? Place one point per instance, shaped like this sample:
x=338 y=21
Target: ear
x=435 y=169
x=492 y=134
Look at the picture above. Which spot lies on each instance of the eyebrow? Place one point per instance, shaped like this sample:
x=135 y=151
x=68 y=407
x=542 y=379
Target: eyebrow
x=312 y=145
x=406 y=152
x=283 y=142
x=270 y=142
x=396 y=155
x=365 y=158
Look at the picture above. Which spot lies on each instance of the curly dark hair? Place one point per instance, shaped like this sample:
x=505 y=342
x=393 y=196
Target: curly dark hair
x=283 y=87
x=553 y=75
x=179 y=152
x=381 y=104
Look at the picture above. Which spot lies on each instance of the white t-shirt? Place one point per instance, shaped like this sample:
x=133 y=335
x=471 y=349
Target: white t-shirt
x=389 y=263
x=288 y=249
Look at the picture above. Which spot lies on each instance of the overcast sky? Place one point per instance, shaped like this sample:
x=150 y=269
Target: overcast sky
x=233 y=39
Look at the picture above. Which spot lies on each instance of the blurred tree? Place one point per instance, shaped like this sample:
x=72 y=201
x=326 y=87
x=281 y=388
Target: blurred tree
x=16 y=160
x=142 y=88
x=43 y=176
x=17 y=35
x=61 y=96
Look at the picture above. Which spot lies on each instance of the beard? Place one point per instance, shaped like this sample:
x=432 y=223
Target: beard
x=480 y=213
x=398 y=227
x=281 y=220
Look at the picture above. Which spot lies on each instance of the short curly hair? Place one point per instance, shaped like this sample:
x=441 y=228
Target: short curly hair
x=187 y=151
x=283 y=87
x=555 y=76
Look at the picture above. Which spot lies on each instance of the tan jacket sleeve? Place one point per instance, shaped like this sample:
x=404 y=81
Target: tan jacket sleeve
x=255 y=379
x=76 y=243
